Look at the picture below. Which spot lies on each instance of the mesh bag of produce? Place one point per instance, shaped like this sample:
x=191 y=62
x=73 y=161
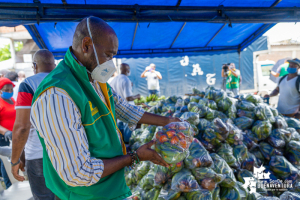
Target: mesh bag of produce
x=235 y=135
x=242 y=173
x=280 y=123
x=179 y=103
x=207 y=177
x=226 y=152
x=210 y=94
x=142 y=169
x=191 y=105
x=198 y=156
x=191 y=117
x=260 y=158
x=202 y=110
x=218 y=114
x=135 y=146
x=212 y=105
x=199 y=194
x=203 y=101
x=225 y=104
x=220 y=127
x=216 y=193
x=247 y=140
x=253 y=98
x=275 y=142
x=173 y=169
x=151 y=194
x=184 y=181
x=262 y=129
x=166 y=193
x=263 y=112
x=173 y=142
x=282 y=167
x=184 y=109
x=221 y=167
x=294 y=134
x=293 y=152
x=196 y=91
x=240 y=152
x=241 y=113
x=246 y=105
x=290 y=196
x=203 y=124
x=134 y=135
x=186 y=100
x=274 y=111
x=210 y=115
x=208 y=146
x=161 y=175
x=177 y=114
x=230 y=193
x=293 y=123
x=147 y=134
x=250 y=162
x=210 y=136
x=282 y=134
x=268 y=151
x=195 y=99
x=231 y=112
x=219 y=96
x=243 y=122
x=131 y=178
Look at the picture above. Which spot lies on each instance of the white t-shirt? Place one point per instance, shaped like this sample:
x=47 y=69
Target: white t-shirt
x=123 y=86
x=289 y=98
x=16 y=89
x=153 y=81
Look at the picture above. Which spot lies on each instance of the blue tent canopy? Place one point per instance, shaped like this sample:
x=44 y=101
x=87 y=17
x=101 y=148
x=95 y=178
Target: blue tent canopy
x=157 y=27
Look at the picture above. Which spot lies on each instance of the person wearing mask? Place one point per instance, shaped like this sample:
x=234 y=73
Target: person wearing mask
x=13 y=76
x=153 y=78
x=74 y=111
x=123 y=87
x=21 y=75
x=7 y=119
x=288 y=87
x=281 y=70
x=25 y=135
x=233 y=79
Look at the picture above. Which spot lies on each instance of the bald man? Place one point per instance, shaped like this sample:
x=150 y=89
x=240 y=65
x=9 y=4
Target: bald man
x=74 y=111
x=25 y=135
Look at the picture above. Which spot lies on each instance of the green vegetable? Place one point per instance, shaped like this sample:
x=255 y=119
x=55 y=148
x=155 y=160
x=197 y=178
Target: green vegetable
x=229 y=193
x=264 y=113
x=191 y=117
x=240 y=152
x=151 y=194
x=243 y=122
x=231 y=112
x=282 y=167
x=246 y=105
x=197 y=195
x=241 y=113
x=262 y=129
x=293 y=152
x=212 y=105
x=184 y=181
x=226 y=152
x=207 y=172
x=203 y=124
x=147 y=182
x=195 y=99
x=253 y=98
x=267 y=150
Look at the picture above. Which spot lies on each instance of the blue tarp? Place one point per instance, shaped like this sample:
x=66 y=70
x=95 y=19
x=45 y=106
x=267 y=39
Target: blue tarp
x=179 y=80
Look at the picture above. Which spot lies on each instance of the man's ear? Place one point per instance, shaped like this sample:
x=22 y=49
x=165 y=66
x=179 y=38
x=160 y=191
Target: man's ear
x=86 y=44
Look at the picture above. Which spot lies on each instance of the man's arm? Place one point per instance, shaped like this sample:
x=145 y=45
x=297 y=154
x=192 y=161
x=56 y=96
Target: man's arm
x=223 y=74
x=234 y=73
x=19 y=138
x=127 y=89
x=274 y=93
x=132 y=98
x=158 y=75
x=275 y=74
x=144 y=75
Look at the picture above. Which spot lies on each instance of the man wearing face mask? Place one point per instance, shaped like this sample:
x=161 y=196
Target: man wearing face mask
x=288 y=87
x=7 y=118
x=74 y=111
x=25 y=135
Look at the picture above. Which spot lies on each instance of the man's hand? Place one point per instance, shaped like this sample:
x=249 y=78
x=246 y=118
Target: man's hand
x=146 y=153
x=138 y=96
x=267 y=96
x=15 y=171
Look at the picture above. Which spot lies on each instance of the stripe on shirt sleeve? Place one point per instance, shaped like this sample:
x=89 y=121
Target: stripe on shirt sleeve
x=25 y=95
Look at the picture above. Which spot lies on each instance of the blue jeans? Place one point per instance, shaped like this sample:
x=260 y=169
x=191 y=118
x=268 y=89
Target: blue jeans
x=234 y=90
x=5 y=176
x=126 y=132
x=37 y=180
x=157 y=92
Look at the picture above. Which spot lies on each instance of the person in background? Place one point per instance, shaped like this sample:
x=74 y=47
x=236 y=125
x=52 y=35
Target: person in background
x=13 y=76
x=233 y=79
x=153 y=78
x=21 y=75
x=7 y=118
x=288 y=87
x=3 y=72
x=281 y=70
x=123 y=87
x=112 y=77
x=25 y=135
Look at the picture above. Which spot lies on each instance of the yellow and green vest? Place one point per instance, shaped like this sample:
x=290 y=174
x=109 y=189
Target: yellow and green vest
x=99 y=123
x=232 y=82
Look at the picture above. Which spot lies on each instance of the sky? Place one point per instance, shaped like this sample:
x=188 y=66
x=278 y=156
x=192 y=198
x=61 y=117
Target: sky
x=284 y=31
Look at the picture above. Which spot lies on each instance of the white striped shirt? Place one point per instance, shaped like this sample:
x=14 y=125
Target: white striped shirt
x=58 y=120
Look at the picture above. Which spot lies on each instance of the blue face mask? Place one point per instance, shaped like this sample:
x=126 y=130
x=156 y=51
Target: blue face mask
x=7 y=95
x=292 y=70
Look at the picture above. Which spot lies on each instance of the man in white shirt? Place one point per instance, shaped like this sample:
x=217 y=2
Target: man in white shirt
x=288 y=87
x=153 y=78
x=123 y=87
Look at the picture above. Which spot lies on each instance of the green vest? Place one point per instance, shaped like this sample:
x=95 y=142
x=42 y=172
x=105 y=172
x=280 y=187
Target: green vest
x=100 y=127
x=283 y=70
x=232 y=82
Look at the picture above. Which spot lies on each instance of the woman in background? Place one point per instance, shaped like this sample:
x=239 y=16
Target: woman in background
x=7 y=119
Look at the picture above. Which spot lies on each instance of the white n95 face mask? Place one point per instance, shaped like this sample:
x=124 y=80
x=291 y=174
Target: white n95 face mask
x=104 y=71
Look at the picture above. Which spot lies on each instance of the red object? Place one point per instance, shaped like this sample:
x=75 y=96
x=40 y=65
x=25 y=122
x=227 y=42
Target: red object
x=183 y=144
x=5 y=81
x=7 y=114
x=171 y=133
x=181 y=136
x=163 y=138
x=174 y=140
